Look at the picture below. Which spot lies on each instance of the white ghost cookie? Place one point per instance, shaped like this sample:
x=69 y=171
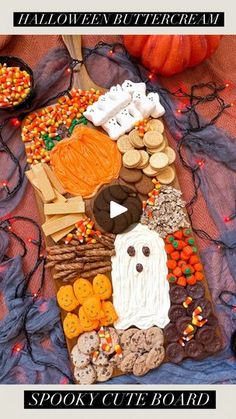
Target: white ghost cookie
x=95 y=115
x=158 y=110
x=113 y=129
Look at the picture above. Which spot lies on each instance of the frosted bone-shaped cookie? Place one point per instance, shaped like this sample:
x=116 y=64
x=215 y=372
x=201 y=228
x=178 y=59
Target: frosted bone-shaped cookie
x=159 y=110
x=143 y=104
x=113 y=129
x=131 y=87
x=95 y=115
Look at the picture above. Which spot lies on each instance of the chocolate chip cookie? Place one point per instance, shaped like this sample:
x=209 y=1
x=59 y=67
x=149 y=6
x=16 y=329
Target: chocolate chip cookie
x=155 y=357
x=140 y=366
x=104 y=372
x=79 y=359
x=88 y=342
x=85 y=375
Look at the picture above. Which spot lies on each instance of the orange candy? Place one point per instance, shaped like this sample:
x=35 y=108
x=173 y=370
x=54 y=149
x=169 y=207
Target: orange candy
x=191 y=280
x=171 y=264
x=175 y=255
x=169 y=248
x=188 y=251
x=182 y=281
x=193 y=259
x=177 y=271
x=199 y=276
x=198 y=267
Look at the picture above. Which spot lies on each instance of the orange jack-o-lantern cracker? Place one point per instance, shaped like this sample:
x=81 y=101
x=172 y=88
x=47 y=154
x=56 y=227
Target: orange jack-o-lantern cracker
x=72 y=326
x=66 y=298
x=102 y=286
x=82 y=289
x=110 y=315
x=87 y=324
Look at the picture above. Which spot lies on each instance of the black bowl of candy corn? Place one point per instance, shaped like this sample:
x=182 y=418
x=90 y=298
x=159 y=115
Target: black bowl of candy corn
x=16 y=83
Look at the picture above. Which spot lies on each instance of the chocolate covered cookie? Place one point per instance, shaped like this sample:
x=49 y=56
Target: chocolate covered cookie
x=130 y=175
x=178 y=294
x=170 y=333
x=196 y=291
x=144 y=185
x=184 y=326
x=205 y=307
x=214 y=346
x=194 y=349
x=175 y=353
x=205 y=334
x=175 y=312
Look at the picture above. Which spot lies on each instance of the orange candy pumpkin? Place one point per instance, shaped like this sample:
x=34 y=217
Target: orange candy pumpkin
x=171 y=54
x=85 y=161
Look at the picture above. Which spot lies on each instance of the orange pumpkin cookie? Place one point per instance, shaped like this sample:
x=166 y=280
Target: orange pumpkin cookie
x=93 y=308
x=110 y=314
x=87 y=324
x=102 y=286
x=66 y=298
x=85 y=161
x=72 y=326
x=82 y=289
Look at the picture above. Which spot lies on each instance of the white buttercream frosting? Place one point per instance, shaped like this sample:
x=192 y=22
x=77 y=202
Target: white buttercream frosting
x=141 y=299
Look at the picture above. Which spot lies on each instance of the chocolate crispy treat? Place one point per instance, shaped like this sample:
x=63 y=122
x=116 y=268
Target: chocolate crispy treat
x=175 y=312
x=196 y=291
x=178 y=294
x=205 y=306
x=194 y=349
x=170 y=333
x=205 y=334
x=182 y=323
x=175 y=353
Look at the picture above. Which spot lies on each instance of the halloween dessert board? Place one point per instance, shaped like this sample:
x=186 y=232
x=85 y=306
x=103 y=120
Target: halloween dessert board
x=130 y=283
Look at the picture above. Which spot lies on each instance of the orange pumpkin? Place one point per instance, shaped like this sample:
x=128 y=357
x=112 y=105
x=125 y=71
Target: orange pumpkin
x=171 y=54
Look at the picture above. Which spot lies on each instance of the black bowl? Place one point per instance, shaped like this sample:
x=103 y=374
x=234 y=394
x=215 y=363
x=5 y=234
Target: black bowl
x=17 y=62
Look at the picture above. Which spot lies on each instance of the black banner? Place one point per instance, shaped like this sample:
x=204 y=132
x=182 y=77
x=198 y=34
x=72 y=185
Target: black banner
x=118 y=19
x=163 y=399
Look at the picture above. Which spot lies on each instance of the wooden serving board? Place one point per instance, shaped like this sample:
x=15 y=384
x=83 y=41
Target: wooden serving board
x=82 y=80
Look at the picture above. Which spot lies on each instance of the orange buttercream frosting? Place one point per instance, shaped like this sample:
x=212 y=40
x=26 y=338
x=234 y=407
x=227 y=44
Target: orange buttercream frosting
x=85 y=161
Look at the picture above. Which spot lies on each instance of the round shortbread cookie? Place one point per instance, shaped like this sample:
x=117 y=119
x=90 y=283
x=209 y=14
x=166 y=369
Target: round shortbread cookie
x=155 y=125
x=170 y=154
x=158 y=161
x=144 y=159
x=153 y=139
x=131 y=159
x=135 y=139
x=161 y=147
x=86 y=375
x=166 y=175
x=149 y=171
x=124 y=144
x=79 y=359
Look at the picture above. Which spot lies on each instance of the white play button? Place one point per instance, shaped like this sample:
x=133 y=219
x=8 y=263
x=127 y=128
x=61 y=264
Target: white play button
x=116 y=209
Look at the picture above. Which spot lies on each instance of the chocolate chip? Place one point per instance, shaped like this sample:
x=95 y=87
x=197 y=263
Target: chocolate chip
x=146 y=251
x=139 y=267
x=131 y=251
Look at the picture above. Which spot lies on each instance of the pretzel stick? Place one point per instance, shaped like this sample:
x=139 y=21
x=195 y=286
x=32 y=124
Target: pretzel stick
x=95 y=272
x=63 y=274
x=92 y=246
x=110 y=235
x=97 y=252
x=61 y=257
x=91 y=266
x=58 y=250
x=92 y=258
x=69 y=277
x=105 y=242
x=69 y=267
x=50 y=264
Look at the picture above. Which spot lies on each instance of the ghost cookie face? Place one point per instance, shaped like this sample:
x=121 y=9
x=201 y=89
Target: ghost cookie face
x=82 y=289
x=86 y=323
x=93 y=308
x=66 y=298
x=72 y=326
x=102 y=286
x=110 y=315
